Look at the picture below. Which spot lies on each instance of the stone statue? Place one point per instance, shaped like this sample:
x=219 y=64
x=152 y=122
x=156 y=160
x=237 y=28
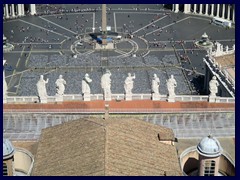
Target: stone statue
x=171 y=84
x=218 y=51
x=221 y=48
x=86 y=84
x=60 y=82
x=106 y=85
x=209 y=51
x=41 y=88
x=155 y=84
x=213 y=86
x=227 y=49
x=128 y=83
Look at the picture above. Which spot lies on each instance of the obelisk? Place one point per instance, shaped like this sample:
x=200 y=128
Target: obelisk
x=104 y=24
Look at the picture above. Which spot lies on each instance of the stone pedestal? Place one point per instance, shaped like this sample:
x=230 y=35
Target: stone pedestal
x=128 y=97
x=43 y=100
x=109 y=45
x=86 y=97
x=58 y=98
x=212 y=99
x=108 y=98
x=171 y=99
x=155 y=97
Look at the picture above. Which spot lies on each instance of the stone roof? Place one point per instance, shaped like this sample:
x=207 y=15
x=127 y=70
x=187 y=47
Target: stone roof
x=228 y=63
x=106 y=147
x=226 y=60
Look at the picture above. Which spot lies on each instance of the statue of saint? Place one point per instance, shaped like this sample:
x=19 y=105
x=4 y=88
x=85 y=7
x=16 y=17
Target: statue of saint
x=155 y=84
x=128 y=83
x=213 y=86
x=86 y=84
x=60 y=84
x=171 y=84
x=41 y=88
x=106 y=84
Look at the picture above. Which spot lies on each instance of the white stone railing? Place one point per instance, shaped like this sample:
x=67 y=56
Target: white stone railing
x=117 y=97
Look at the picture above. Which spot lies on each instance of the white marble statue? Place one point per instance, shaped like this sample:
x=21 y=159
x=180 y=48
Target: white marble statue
x=128 y=83
x=221 y=48
x=41 y=88
x=155 y=84
x=171 y=84
x=209 y=51
x=86 y=84
x=106 y=85
x=227 y=48
x=60 y=84
x=213 y=86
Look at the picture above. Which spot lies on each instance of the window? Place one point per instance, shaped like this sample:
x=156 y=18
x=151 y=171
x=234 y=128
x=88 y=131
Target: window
x=209 y=168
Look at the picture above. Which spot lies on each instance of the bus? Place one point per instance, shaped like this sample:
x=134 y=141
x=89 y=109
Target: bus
x=221 y=22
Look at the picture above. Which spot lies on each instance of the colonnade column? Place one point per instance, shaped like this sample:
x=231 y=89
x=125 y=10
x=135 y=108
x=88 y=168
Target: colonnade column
x=195 y=8
x=217 y=10
x=233 y=16
x=187 y=8
x=19 y=10
x=200 y=9
x=212 y=9
x=228 y=15
x=13 y=10
x=206 y=9
x=176 y=8
x=6 y=7
x=23 y=11
x=223 y=11
x=33 y=9
x=4 y=11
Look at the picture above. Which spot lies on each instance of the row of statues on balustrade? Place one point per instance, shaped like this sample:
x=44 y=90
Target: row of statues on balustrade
x=220 y=50
x=106 y=86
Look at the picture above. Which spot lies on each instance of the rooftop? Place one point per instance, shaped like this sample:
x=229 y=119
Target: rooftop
x=227 y=62
x=106 y=147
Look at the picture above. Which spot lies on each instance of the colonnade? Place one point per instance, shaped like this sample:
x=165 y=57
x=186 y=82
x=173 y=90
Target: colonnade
x=226 y=11
x=17 y=10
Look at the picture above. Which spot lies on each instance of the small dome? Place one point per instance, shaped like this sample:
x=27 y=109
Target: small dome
x=209 y=147
x=8 y=148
